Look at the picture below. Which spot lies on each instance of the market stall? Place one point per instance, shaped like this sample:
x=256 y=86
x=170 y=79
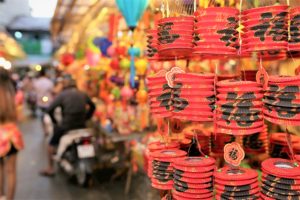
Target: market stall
x=219 y=80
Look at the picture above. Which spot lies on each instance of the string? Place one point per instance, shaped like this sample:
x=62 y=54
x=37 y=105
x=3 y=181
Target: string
x=216 y=110
x=289 y=143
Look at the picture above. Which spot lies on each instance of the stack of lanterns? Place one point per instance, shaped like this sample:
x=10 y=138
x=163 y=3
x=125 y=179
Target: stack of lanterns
x=239 y=183
x=152 y=40
x=294 y=42
x=157 y=146
x=239 y=107
x=282 y=100
x=193 y=178
x=265 y=28
x=216 y=31
x=160 y=95
x=175 y=36
x=280 y=179
x=194 y=97
x=162 y=168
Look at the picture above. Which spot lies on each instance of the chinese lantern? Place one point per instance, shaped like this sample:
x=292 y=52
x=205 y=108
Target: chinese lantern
x=141 y=66
x=125 y=64
x=115 y=64
x=132 y=11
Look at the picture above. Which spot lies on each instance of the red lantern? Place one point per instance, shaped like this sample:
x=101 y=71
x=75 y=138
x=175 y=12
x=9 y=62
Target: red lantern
x=67 y=59
x=216 y=31
x=266 y=28
x=115 y=64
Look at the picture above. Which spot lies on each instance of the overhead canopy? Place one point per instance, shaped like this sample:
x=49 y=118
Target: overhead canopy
x=72 y=17
x=9 y=47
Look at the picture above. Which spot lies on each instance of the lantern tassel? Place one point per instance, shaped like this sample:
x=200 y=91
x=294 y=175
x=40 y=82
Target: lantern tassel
x=132 y=70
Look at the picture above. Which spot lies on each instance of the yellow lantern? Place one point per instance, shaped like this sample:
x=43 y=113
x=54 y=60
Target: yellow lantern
x=141 y=66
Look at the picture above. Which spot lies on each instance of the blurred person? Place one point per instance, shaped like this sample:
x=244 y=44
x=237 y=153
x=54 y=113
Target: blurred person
x=30 y=94
x=43 y=87
x=76 y=108
x=10 y=137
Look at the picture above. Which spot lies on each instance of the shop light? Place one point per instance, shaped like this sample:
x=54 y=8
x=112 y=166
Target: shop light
x=5 y=63
x=86 y=67
x=18 y=35
x=38 y=68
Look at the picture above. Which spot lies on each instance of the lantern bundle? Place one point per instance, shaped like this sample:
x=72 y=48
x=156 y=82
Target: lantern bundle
x=193 y=97
x=175 y=36
x=216 y=31
x=239 y=107
x=157 y=146
x=193 y=178
x=280 y=179
x=279 y=145
x=265 y=28
x=160 y=96
x=294 y=42
x=297 y=157
x=282 y=100
x=162 y=168
x=239 y=183
x=152 y=47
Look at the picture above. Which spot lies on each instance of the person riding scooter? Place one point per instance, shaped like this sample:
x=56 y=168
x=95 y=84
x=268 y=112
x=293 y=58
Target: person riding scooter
x=76 y=107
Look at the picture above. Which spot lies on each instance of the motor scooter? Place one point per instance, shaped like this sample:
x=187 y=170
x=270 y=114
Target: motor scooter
x=76 y=155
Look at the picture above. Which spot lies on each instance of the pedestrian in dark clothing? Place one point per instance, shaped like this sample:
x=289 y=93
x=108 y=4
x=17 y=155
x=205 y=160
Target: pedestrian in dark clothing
x=76 y=107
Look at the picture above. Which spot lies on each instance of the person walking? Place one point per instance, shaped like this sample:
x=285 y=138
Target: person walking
x=11 y=140
x=76 y=108
x=43 y=87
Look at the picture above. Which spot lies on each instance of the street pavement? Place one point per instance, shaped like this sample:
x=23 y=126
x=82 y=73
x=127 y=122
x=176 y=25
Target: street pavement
x=32 y=186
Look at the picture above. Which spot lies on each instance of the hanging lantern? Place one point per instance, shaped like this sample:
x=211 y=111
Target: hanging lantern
x=282 y=100
x=141 y=66
x=294 y=42
x=265 y=28
x=193 y=97
x=115 y=64
x=216 y=31
x=239 y=107
x=142 y=95
x=175 y=36
x=67 y=59
x=125 y=64
x=132 y=11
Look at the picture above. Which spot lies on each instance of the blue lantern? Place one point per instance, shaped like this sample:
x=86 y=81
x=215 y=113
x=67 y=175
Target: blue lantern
x=132 y=11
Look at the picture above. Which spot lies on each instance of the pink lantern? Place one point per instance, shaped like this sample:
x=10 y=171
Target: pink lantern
x=126 y=92
x=111 y=51
x=92 y=58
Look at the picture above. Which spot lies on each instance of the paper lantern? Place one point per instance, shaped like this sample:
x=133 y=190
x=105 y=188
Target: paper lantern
x=175 y=36
x=193 y=97
x=103 y=44
x=126 y=92
x=246 y=180
x=125 y=64
x=115 y=64
x=216 y=31
x=111 y=51
x=282 y=100
x=265 y=28
x=67 y=59
x=141 y=66
x=239 y=107
x=132 y=11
